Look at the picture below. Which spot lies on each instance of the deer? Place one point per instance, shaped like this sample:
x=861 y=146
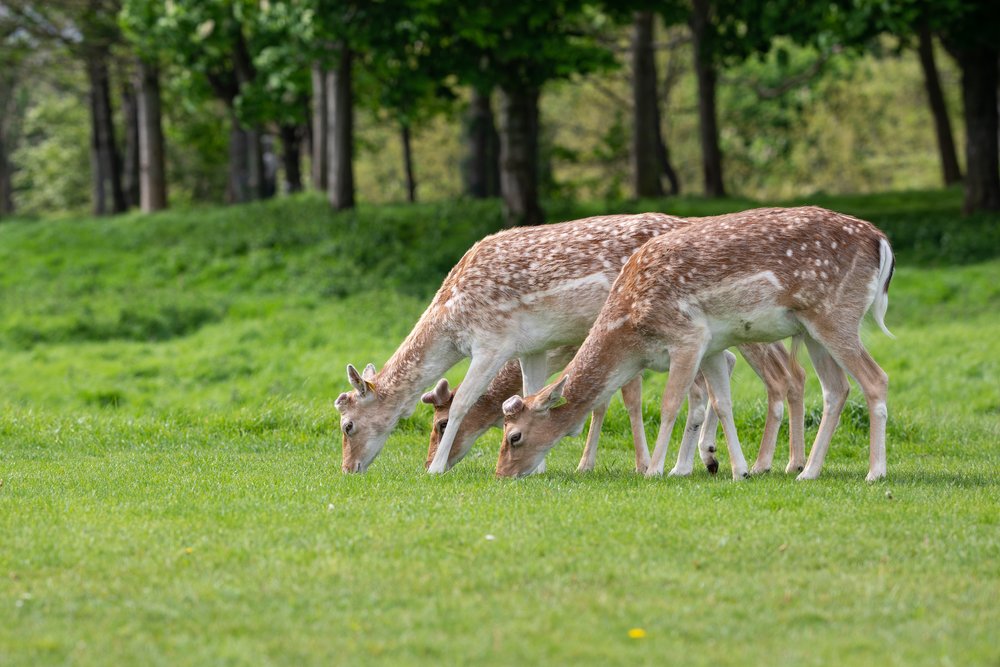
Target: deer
x=753 y=277
x=782 y=378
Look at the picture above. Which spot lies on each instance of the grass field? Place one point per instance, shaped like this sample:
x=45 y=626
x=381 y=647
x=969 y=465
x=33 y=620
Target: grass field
x=171 y=490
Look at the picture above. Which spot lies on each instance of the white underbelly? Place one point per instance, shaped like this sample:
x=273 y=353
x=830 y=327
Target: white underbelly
x=761 y=326
x=560 y=315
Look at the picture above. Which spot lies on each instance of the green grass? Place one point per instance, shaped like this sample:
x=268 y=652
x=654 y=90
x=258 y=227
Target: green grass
x=171 y=488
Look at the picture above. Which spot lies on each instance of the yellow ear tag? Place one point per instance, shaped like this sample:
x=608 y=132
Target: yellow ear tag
x=370 y=385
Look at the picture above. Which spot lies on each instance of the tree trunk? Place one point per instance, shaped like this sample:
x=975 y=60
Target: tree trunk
x=9 y=116
x=291 y=158
x=6 y=181
x=979 y=96
x=340 y=126
x=238 y=190
x=255 y=163
x=152 y=171
x=645 y=159
x=481 y=166
x=318 y=141
x=104 y=159
x=663 y=153
x=519 y=156
x=268 y=165
x=942 y=123
x=411 y=181
x=711 y=155
x=130 y=164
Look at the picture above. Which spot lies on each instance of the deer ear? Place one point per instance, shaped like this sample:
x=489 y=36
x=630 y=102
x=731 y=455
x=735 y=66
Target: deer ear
x=552 y=396
x=354 y=377
x=439 y=396
x=512 y=406
x=368 y=375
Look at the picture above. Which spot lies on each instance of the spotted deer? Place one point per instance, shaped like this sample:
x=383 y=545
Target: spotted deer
x=782 y=378
x=514 y=294
x=681 y=299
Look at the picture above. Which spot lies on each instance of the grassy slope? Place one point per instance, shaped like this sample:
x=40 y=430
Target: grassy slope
x=171 y=490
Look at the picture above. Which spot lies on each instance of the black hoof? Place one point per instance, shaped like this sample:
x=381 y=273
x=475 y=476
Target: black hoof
x=800 y=468
x=713 y=467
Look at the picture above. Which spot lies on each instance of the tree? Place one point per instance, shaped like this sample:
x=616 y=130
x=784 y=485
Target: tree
x=935 y=98
x=703 y=31
x=518 y=49
x=152 y=162
x=971 y=39
x=216 y=42
x=481 y=164
x=645 y=110
x=135 y=20
x=87 y=29
x=13 y=56
x=130 y=155
x=340 y=130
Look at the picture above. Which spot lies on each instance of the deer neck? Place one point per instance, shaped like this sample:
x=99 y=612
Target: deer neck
x=601 y=366
x=419 y=361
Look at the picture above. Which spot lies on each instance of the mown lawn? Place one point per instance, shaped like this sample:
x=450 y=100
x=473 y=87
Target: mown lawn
x=171 y=490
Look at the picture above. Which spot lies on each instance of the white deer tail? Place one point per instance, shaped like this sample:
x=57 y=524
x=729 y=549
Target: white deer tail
x=886 y=264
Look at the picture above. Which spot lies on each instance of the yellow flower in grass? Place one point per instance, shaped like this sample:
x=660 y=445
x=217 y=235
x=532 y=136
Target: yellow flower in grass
x=637 y=633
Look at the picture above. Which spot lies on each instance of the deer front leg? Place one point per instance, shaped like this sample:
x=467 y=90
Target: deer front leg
x=482 y=370
x=683 y=370
x=534 y=373
x=589 y=458
x=714 y=368
x=697 y=413
x=632 y=397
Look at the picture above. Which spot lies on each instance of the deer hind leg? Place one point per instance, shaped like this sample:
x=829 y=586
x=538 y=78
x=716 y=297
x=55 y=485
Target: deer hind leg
x=852 y=356
x=589 y=458
x=769 y=362
x=683 y=371
x=714 y=368
x=835 y=390
x=482 y=370
x=632 y=397
x=796 y=411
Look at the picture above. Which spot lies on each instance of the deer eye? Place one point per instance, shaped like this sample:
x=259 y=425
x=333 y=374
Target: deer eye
x=514 y=438
x=348 y=427
x=442 y=425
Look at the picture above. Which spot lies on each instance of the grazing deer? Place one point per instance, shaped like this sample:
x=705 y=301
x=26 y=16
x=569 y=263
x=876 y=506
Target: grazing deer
x=681 y=299
x=514 y=294
x=771 y=362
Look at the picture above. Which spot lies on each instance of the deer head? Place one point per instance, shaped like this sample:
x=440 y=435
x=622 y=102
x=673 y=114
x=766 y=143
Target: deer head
x=531 y=427
x=440 y=397
x=364 y=420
